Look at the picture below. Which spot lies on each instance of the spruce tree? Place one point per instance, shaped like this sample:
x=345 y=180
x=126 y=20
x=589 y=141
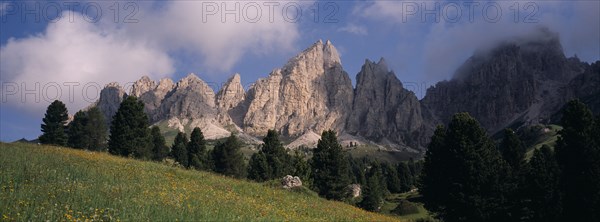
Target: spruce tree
x=578 y=152
x=277 y=157
x=464 y=174
x=374 y=191
x=96 y=129
x=512 y=150
x=405 y=177
x=390 y=175
x=77 y=131
x=228 y=159
x=302 y=168
x=160 y=150
x=129 y=132
x=540 y=187
x=53 y=126
x=197 y=151
x=179 y=150
x=258 y=168
x=330 y=167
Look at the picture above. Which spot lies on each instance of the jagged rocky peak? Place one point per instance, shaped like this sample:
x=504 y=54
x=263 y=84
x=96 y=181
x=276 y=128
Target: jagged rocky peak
x=314 y=60
x=231 y=94
x=165 y=84
x=142 y=86
x=383 y=109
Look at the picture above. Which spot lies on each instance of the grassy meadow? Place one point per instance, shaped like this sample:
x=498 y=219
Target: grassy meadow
x=61 y=184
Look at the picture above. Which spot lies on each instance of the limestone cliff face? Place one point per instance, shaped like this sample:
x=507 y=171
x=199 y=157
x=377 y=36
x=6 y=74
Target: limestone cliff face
x=191 y=98
x=311 y=92
x=383 y=109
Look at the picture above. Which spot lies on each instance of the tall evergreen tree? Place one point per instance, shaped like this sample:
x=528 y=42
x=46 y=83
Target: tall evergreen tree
x=302 y=168
x=277 y=157
x=357 y=167
x=179 y=150
x=392 y=180
x=540 y=187
x=53 y=126
x=228 y=158
x=374 y=191
x=96 y=129
x=258 y=168
x=77 y=131
x=330 y=167
x=513 y=150
x=405 y=177
x=160 y=150
x=198 y=153
x=578 y=152
x=464 y=173
x=129 y=132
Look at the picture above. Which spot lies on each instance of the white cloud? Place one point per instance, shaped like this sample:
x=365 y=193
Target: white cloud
x=78 y=52
x=107 y=51
x=354 y=29
x=447 y=44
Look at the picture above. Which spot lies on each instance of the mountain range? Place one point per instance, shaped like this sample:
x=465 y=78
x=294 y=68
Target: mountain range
x=520 y=82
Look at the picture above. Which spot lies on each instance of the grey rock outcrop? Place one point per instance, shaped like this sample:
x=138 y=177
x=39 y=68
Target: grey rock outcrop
x=110 y=99
x=191 y=98
x=289 y=182
x=383 y=109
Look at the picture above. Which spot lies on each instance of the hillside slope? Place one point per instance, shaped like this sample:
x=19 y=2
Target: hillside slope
x=52 y=183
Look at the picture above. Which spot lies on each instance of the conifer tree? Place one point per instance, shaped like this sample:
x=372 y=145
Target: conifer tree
x=179 y=150
x=330 y=167
x=277 y=157
x=512 y=150
x=391 y=178
x=160 y=150
x=464 y=173
x=258 y=168
x=405 y=177
x=540 y=187
x=228 y=158
x=77 y=131
x=197 y=151
x=53 y=126
x=578 y=152
x=374 y=191
x=96 y=129
x=302 y=168
x=129 y=132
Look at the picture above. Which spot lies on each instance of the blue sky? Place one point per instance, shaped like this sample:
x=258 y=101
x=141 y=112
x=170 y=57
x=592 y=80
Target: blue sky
x=71 y=46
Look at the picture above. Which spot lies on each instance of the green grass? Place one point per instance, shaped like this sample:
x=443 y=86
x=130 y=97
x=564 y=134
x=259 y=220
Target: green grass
x=61 y=184
x=392 y=201
x=374 y=152
x=548 y=138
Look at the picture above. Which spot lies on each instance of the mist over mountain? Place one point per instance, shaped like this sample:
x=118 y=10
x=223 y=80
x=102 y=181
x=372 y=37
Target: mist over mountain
x=518 y=82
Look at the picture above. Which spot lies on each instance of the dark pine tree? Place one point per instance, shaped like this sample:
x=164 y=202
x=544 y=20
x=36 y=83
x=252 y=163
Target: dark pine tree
x=330 y=167
x=513 y=152
x=405 y=177
x=374 y=191
x=392 y=180
x=228 y=159
x=464 y=173
x=540 y=187
x=301 y=168
x=53 y=126
x=160 y=150
x=77 y=131
x=258 y=168
x=277 y=157
x=357 y=168
x=578 y=155
x=179 y=149
x=96 y=129
x=129 y=132
x=197 y=151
